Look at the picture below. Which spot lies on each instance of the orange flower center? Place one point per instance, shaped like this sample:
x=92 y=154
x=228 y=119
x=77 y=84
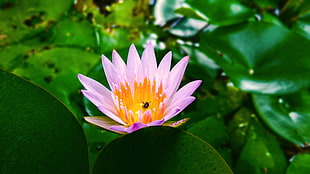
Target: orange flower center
x=144 y=103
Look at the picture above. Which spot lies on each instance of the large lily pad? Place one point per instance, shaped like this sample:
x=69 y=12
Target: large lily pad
x=287 y=115
x=38 y=133
x=261 y=57
x=160 y=150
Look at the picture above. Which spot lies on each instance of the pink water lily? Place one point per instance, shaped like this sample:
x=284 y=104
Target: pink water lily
x=141 y=93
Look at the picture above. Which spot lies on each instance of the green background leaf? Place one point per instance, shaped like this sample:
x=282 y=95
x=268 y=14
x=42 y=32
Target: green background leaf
x=261 y=57
x=300 y=164
x=24 y=19
x=288 y=115
x=258 y=149
x=222 y=12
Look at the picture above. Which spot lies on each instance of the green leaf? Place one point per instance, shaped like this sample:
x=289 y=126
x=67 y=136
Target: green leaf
x=267 y=4
x=187 y=27
x=200 y=65
x=211 y=129
x=127 y=13
x=302 y=26
x=164 y=10
x=23 y=19
x=190 y=13
x=220 y=100
x=260 y=57
x=111 y=14
x=300 y=164
x=294 y=9
x=38 y=133
x=221 y=12
x=160 y=150
x=76 y=31
x=257 y=149
x=287 y=115
x=97 y=138
x=121 y=38
x=56 y=70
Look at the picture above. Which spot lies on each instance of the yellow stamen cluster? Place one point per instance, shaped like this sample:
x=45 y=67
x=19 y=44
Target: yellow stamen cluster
x=145 y=99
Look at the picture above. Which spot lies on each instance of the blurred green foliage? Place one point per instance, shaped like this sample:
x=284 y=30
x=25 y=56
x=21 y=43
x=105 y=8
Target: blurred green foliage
x=252 y=55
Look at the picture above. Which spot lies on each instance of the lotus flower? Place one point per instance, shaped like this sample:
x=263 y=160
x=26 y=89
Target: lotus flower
x=141 y=93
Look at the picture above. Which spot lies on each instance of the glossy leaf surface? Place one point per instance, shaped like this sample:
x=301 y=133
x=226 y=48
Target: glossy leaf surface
x=261 y=57
x=221 y=12
x=160 y=150
x=259 y=149
x=287 y=115
x=300 y=164
x=38 y=133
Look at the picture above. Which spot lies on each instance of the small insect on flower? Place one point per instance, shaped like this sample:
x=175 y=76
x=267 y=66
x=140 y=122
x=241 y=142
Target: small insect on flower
x=141 y=93
x=146 y=105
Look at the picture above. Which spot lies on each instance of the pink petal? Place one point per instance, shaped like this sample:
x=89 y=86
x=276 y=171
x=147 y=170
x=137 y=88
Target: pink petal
x=185 y=91
x=164 y=69
x=176 y=76
x=98 y=99
x=119 y=64
x=132 y=128
x=134 y=65
x=94 y=86
x=118 y=128
x=149 y=60
x=103 y=122
x=140 y=115
x=177 y=107
x=110 y=72
x=179 y=123
x=157 y=122
x=136 y=126
x=110 y=113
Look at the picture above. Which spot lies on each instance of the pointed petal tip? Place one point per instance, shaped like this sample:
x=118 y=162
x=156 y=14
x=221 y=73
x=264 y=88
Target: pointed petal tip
x=149 y=45
x=83 y=91
x=103 y=56
x=104 y=61
x=80 y=77
x=132 y=47
x=196 y=85
x=176 y=108
x=198 y=82
x=186 y=58
x=133 y=53
x=167 y=56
